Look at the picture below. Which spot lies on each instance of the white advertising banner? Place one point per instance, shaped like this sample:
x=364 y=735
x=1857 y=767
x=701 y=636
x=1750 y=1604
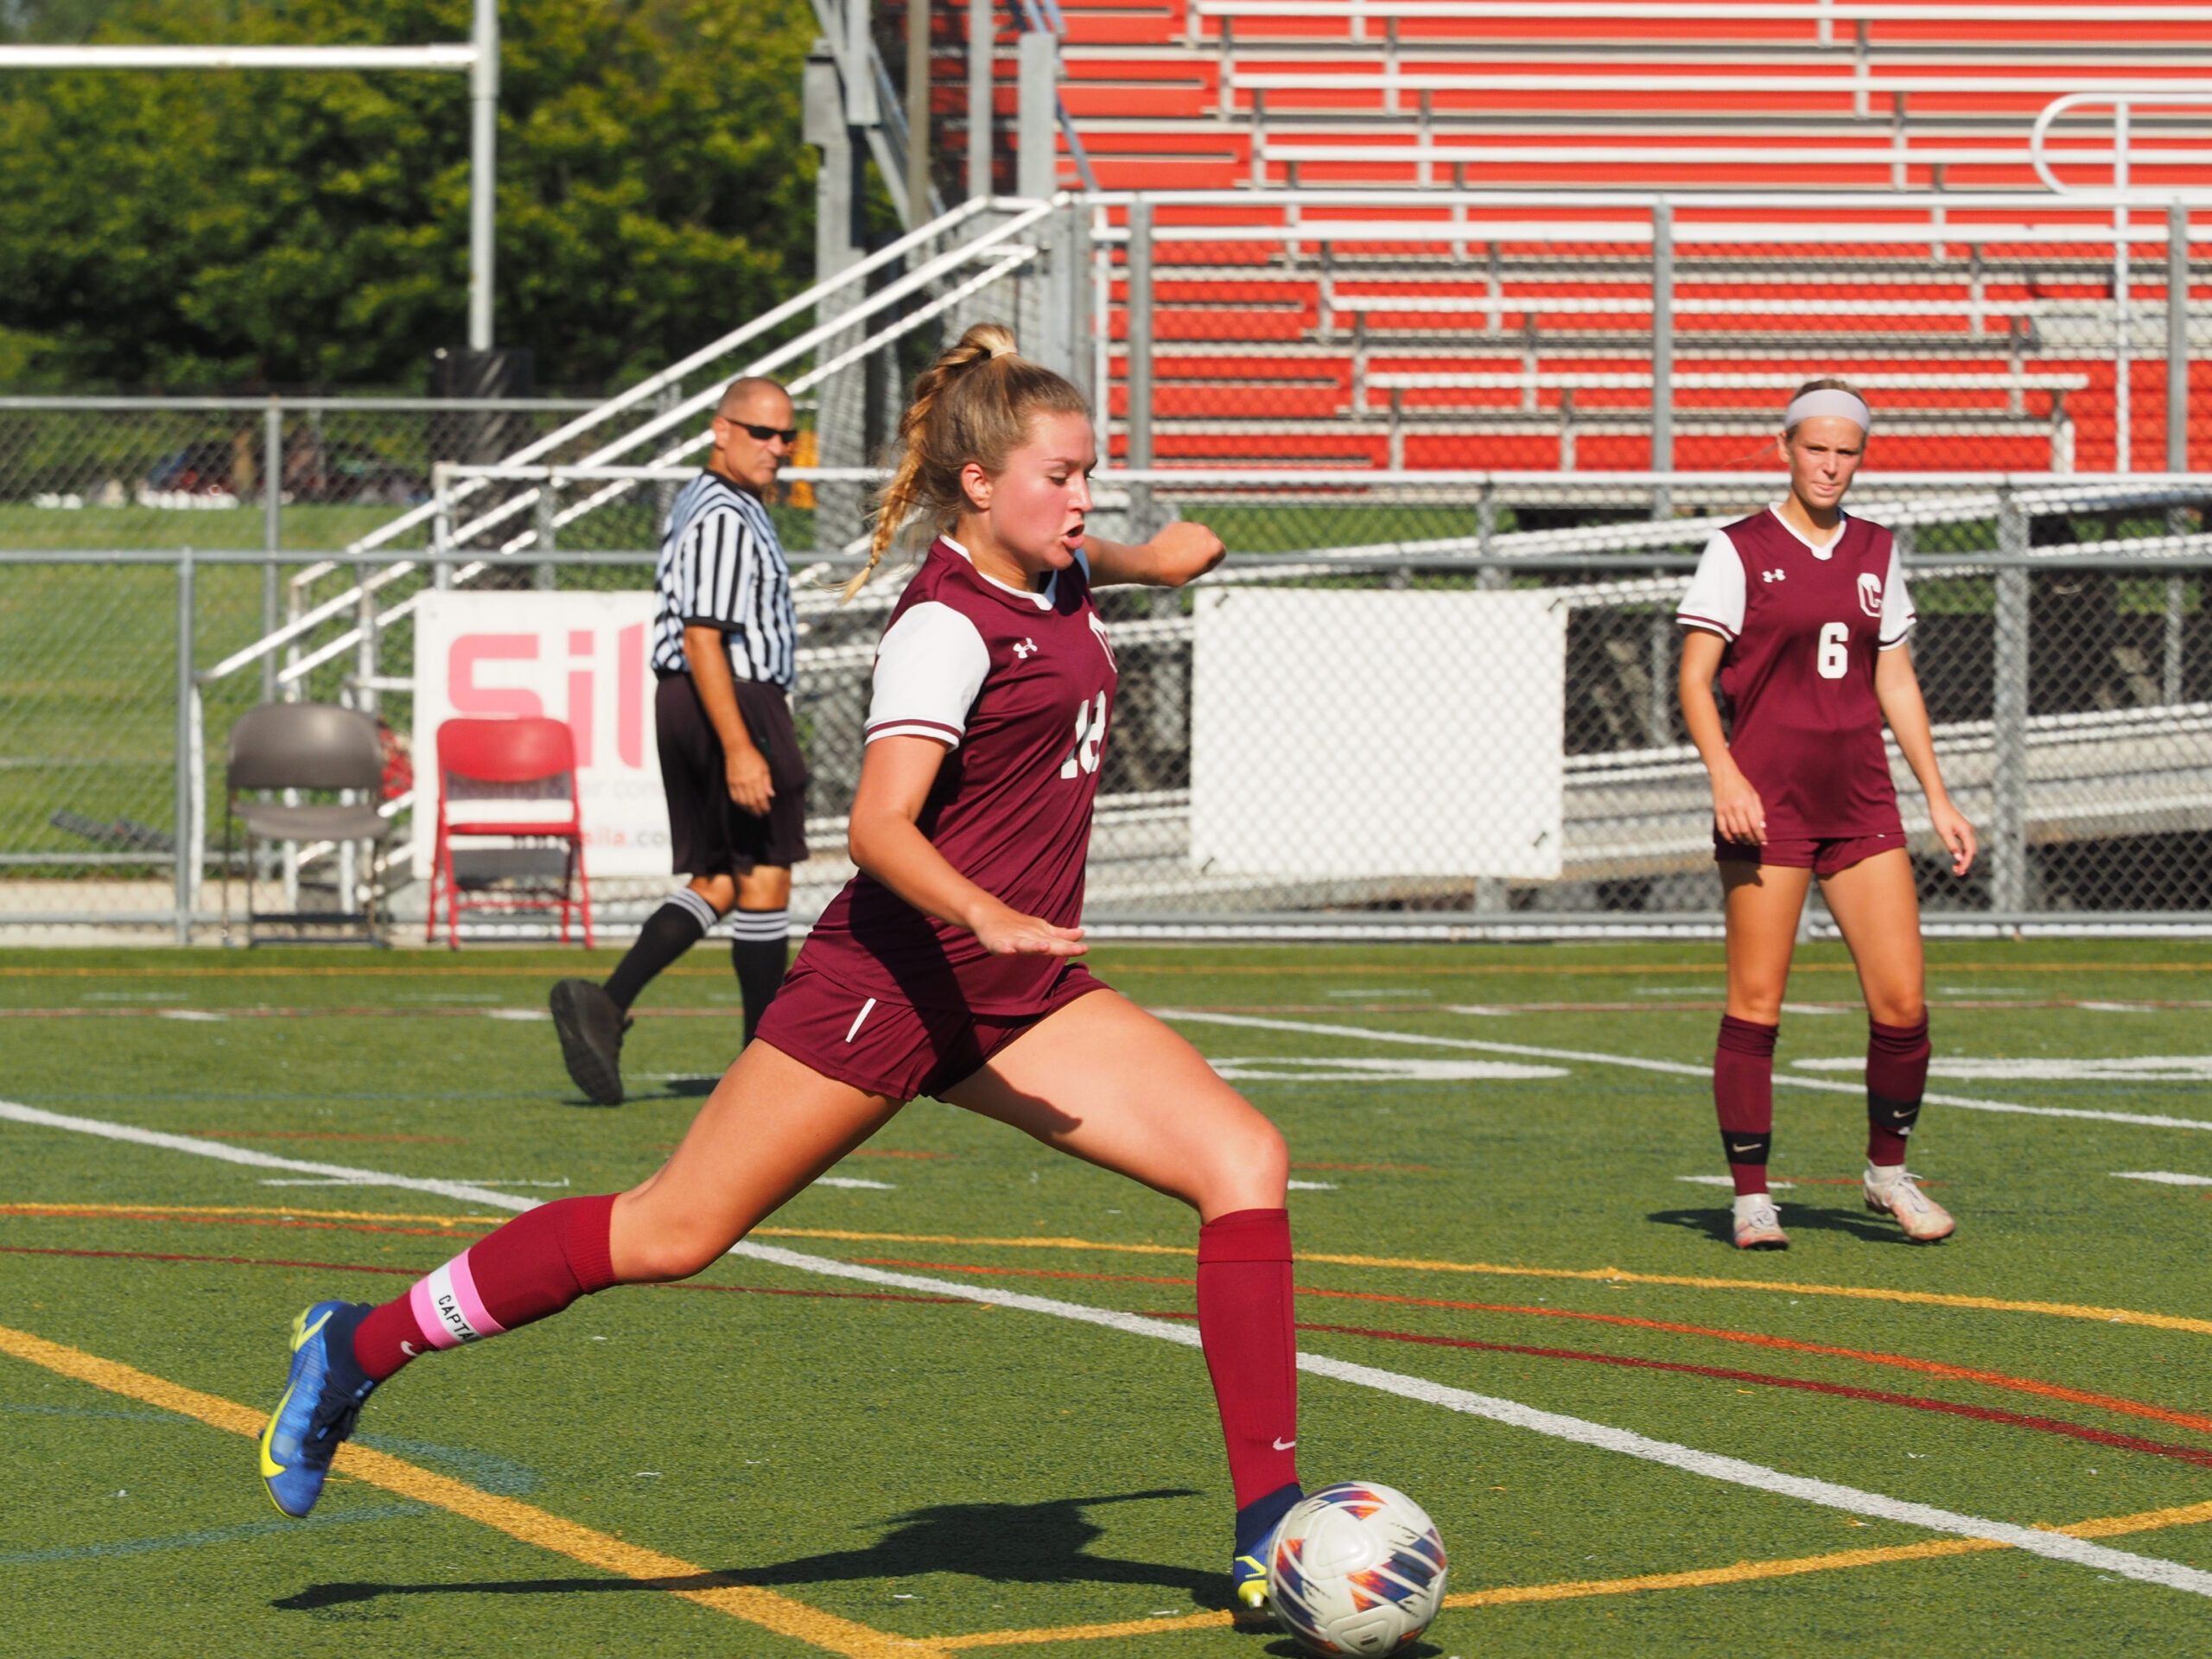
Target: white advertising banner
x=582 y=657
x=1342 y=733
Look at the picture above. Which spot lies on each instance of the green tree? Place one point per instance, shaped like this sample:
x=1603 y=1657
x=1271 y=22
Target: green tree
x=188 y=229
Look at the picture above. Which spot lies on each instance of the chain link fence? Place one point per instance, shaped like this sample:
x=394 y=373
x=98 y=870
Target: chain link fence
x=1397 y=712
x=170 y=471
x=1464 y=448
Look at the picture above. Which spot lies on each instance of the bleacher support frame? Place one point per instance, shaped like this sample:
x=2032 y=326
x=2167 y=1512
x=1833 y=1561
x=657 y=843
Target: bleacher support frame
x=1016 y=256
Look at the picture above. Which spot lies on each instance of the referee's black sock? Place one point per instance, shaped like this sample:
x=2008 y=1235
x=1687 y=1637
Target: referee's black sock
x=758 y=949
x=668 y=934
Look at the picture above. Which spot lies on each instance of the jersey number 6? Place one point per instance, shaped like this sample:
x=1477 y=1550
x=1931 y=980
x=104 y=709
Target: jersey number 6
x=1089 y=735
x=1834 y=660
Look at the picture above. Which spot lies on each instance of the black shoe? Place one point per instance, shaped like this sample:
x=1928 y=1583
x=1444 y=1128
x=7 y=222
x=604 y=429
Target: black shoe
x=591 y=1028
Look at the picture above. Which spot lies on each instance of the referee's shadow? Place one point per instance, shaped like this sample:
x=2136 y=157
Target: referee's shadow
x=1047 y=1543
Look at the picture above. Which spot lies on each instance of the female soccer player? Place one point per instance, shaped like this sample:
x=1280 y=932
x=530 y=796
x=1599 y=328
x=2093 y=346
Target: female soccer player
x=1803 y=611
x=947 y=967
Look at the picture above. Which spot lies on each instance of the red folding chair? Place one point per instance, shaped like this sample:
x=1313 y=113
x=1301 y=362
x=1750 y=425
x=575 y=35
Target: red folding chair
x=515 y=780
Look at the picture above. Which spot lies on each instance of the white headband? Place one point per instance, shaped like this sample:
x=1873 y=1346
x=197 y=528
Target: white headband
x=1828 y=400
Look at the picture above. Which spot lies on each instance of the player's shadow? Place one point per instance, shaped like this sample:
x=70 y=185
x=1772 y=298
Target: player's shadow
x=1003 y=1544
x=1719 y=1225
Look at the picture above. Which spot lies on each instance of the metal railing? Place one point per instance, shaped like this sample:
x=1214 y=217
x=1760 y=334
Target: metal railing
x=1626 y=342
x=2122 y=156
x=1820 y=15
x=2069 y=676
x=1442 y=159
x=663 y=405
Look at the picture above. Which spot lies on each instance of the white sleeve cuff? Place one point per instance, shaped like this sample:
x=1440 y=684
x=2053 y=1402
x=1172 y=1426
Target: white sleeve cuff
x=928 y=671
x=1716 y=598
x=1897 y=615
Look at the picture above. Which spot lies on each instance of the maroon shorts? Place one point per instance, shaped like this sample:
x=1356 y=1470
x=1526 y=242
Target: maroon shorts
x=1823 y=855
x=895 y=1049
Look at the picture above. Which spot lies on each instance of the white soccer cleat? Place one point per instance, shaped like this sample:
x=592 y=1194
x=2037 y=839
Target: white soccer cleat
x=1892 y=1191
x=1758 y=1226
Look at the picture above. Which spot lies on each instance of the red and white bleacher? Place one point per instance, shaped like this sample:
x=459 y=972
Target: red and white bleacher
x=1511 y=328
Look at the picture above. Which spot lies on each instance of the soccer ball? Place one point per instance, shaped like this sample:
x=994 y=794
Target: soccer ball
x=1356 y=1568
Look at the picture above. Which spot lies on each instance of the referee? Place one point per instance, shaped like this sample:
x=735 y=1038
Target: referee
x=724 y=651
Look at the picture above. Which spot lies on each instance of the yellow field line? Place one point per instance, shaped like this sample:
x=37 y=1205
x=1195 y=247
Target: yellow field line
x=786 y=1617
x=1601 y=1275
x=1403 y=1264
x=1862 y=1293
x=1394 y=1264
x=1701 y=1579
x=1087 y=1632
x=523 y=1521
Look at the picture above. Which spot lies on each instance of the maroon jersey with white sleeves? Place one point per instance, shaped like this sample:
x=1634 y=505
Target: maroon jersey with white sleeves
x=1804 y=624
x=1021 y=686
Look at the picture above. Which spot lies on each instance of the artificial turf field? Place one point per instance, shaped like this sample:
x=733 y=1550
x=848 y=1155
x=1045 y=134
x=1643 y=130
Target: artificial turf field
x=788 y=1458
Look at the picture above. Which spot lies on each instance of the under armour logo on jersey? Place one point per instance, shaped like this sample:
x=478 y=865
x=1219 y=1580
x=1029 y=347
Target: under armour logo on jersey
x=1870 y=594
x=1023 y=648
x=1774 y=575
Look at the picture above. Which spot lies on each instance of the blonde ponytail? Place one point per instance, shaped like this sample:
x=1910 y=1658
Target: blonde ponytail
x=975 y=402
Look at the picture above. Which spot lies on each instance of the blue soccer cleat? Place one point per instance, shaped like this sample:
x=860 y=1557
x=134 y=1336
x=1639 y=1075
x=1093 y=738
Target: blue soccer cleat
x=323 y=1397
x=1256 y=1523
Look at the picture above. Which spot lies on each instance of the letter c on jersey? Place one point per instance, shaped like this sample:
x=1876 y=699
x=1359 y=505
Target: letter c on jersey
x=470 y=698
x=1870 y=594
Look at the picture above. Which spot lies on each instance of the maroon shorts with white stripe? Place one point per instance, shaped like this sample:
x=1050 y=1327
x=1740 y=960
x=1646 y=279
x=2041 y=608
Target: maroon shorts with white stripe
x=895 y=1049
x=1824 y=855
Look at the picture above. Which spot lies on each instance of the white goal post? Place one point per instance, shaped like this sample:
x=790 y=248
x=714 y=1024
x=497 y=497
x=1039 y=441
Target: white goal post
x=480 y=55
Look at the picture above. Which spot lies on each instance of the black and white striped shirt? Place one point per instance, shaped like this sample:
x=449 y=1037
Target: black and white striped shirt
x=721 y=566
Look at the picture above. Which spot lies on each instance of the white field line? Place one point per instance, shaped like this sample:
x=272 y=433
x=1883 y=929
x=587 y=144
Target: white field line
x=1672 y=1068
x=2053 y=1545
x=461 y=1192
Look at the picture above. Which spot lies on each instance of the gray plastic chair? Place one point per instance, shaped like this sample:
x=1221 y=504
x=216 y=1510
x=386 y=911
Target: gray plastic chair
x=305 y=746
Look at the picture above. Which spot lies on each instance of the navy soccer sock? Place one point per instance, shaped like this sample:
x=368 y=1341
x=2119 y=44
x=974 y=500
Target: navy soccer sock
x=677 y=925
x=1256 y=1519
x=759 y=949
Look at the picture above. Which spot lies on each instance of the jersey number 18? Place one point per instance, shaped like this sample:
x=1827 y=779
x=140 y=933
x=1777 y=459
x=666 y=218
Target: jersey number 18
x=1089 y=737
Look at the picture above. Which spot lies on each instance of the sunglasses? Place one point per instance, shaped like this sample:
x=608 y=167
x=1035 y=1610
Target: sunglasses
x=762 y=433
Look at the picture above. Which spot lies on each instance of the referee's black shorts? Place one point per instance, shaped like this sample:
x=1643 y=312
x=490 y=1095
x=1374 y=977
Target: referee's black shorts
x=707 y=832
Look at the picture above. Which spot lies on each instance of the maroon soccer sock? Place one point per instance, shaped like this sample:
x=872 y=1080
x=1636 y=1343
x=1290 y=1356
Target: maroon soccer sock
x=534 y=1266
x=1896 y=1076
x=1743 y=1090
x=1251 y=1347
